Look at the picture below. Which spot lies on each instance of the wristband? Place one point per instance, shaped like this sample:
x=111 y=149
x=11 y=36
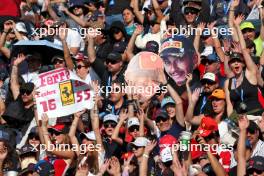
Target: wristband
x=145 y=155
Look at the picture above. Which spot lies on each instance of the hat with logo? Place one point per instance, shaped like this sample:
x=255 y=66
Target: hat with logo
x=27 y=149
x=140 y=142
x=166 y=155
x=218 y=93
x=77 y=3
x=211 y=77
x=162 y=115
x=133 y=121
x=246 y=25
x=110 y=117
x=80 y=57
x=90 y=136
x=119 y=47
x=208 y=125
x=235 y=57
x=256 y=162
x=55 y=58
x=21 y=27
x=167 y=100
x=152 y=46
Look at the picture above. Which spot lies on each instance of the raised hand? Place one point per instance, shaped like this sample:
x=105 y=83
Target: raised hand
x=201 y=27
x=79 y=114
x=114 y=168
x=189 y=78
x=3 y=152
x=239 y=19
x=243 y=122
x=104 y=166
x=196 y=95
x=45 y=120
x=236 y=47
x=19 y=59
x=138 y=30
x=63 y=33
x=235 y=3
x=123 y=115
x=178 y=168
x=211 y=25
x=8 y=26
x=227 y=45
x=150 y=146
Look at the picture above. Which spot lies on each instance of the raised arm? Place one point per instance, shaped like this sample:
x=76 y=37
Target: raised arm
x=141 y=117
x=14 y=85
x=196 y=41
x=122 y=118
x=131 y=43
x=137 y=12
x=51 y=12
x=90 y=49
x=157 y=10
x=243 y=123
x=228 y=100
x=261 y=13
x=67 y=57
x=231 y=18
x=143 y=167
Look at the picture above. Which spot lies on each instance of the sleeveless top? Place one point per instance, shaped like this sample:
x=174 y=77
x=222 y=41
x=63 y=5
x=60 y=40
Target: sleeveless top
x=245 y=92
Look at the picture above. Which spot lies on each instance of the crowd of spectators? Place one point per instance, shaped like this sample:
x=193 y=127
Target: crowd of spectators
x=209 y=121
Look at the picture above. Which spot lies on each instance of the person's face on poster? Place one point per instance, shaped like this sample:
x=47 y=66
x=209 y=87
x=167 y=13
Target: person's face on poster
x=178 y=67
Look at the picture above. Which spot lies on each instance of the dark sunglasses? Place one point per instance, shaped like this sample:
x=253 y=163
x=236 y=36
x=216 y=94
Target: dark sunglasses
x=24 y=91
x=208 y=83
x=133 y=128
x=159 y=119
x=247 y=30
x=191 y=11
x=110 y=125
x=135 y=147
x=251 y=171
x=58 y=62
x=80 y=66
x=57 y=133
x=36 y=137
x=111 y=61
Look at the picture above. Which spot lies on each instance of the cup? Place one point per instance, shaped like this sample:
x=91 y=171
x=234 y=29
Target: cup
x=184 y=140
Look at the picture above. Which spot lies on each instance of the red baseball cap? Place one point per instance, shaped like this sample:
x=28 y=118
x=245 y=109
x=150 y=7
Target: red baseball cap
x=207 y=126
x=167 y=141
x=61 y=128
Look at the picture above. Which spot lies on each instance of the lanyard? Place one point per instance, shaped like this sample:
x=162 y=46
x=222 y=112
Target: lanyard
x=113 y=110
x=226 y=7
x=203 y=104
x=241 y=91
x=211 y=7
x=108 y=85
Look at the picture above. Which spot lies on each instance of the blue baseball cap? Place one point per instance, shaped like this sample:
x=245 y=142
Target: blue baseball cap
x=4 y=135
x=167 y=100
x=211 y=58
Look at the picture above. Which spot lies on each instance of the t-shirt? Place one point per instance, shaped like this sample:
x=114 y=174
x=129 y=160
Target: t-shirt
x=10 y=8
x=259 y=47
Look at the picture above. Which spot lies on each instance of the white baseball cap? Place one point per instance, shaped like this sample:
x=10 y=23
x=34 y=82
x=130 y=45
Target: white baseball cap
x=21 y=27
x=90 y=135
x=132 y=122
x=110 y=117
x=166 y=155
x=140 y=142
x=209 y=76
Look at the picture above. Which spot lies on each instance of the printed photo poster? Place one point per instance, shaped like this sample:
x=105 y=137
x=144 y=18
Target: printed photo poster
x=179 y=57
x=142 y=74
x=61 y=92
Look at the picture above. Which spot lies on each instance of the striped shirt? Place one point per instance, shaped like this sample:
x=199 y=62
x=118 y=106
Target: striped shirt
x=258 y=151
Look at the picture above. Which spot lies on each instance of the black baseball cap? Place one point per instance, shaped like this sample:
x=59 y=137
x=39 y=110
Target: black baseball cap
x=152 y=46
x=114 y=56
x=256 y=162
x=235 y=57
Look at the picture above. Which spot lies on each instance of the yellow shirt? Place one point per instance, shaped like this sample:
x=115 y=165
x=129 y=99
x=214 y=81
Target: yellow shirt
x=258 y=42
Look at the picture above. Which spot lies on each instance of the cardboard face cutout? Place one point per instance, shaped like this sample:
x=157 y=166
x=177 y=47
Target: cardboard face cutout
x=179 y=57
x=142 y=74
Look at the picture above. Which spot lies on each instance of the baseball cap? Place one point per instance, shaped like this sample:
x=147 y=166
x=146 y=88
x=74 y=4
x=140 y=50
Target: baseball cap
x=207 y=51
x=90 y=136
x=21 y=27
x=252 y=127
x=167 y=141
x=152 y=46
x=211 y=77
x=218 y=93
x=132 y=122
x=114 y=56
x=235 y=57
x=246 y=24
x=27 y=149
x=256 y=162
x=167 y=100
x=61 y=128
x=161 y=115
x=80 y=56
x=57 y=58
x=211 y=57
x=208 y=125
x=110 y=117
x=140 y=142
x=44 y=168
x=166 y=155
x=119 y=47
x=30 y=168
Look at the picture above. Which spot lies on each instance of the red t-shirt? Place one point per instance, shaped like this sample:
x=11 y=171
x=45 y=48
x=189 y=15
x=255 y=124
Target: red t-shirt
x=10 y=8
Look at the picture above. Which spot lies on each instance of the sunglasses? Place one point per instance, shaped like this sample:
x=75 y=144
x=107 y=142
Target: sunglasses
x=210 y=83
x=252 y=171
x=24 y=91
x=110 y=125
x=135 y=147
x=247 y=30
x=58 y=62
x=80 y=66
x=57 y=133
x=159 y=119
x=111 y=61
x=191 y=11
x=33 y=137
x=133 y=128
